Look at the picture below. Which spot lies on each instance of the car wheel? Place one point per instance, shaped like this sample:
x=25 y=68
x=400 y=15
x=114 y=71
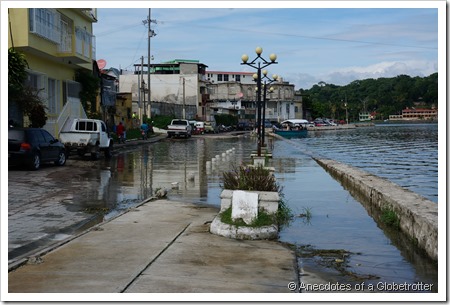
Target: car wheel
x=108 y=151
x=61 y=158
x=94 y=156
x=36 y=162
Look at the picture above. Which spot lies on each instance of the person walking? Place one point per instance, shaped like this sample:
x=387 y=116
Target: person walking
x=144 y=131
x=121 y=132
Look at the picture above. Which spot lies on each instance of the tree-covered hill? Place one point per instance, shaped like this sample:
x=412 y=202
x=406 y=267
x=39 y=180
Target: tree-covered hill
x=384 y=96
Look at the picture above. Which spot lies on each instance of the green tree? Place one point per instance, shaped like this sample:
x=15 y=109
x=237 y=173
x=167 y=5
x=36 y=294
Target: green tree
x=26 y=97
x=384 y=95
x=90 y=86
x=17 y=74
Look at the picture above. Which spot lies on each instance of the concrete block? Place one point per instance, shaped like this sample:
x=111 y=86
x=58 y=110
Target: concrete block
x=244 y=205
x=225 y=203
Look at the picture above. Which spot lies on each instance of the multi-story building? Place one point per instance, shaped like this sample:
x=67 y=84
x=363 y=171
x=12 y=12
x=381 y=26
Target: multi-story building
x=235 y=93
x=416 y=114
x=56 y=43
x=215 y=77
x=420 y=114
x=184 y=88
x=177 y=87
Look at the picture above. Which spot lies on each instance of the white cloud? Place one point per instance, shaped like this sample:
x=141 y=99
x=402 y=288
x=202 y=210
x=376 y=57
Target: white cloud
x=346 y=75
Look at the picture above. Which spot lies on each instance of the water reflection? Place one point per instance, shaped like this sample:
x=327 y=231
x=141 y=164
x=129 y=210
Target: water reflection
x=196 y=165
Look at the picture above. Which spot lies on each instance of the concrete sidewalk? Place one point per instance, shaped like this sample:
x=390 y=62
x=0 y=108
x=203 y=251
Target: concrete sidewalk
x=160 y=246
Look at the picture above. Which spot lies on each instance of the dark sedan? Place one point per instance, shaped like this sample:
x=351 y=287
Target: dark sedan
x=32 y=147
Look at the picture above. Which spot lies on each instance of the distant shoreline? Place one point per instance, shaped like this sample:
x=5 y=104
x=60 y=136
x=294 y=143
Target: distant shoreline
x=406 y=122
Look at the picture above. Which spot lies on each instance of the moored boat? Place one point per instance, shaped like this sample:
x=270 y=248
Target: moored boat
x=292 y=128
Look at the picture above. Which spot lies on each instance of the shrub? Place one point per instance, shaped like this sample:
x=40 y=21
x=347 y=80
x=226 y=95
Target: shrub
x=250 y=179
x=161 y=121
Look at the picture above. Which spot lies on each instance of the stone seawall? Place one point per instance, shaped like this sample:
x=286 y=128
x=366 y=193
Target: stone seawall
x=418 y=216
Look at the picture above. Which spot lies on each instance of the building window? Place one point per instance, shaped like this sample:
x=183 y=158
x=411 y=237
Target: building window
x=65 y=40
x=225 y=77
x=53 y=95
x=37 y=81
x=83 y=42
x=45 y=23
x=238 y=78
x=219 y=77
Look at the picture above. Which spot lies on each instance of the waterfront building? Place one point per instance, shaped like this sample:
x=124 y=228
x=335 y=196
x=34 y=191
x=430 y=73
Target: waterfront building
x=364 y=116
x=234 y=93
x=185 y=88
x=419 y=114
x=416 y=114
x=56 y=43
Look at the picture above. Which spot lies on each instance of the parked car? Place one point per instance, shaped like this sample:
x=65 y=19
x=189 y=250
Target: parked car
x=244 y=126
x=320 y=122
x=32 y=147
x=329 y=122
x=87 y=136
x=179 y=127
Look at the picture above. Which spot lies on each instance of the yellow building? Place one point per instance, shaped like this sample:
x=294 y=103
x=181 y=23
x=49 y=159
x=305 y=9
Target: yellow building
x=123 y=111
x=56 y=43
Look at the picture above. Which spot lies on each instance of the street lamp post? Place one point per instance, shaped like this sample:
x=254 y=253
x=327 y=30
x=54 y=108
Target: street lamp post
x=267 y=81
x=259 y=63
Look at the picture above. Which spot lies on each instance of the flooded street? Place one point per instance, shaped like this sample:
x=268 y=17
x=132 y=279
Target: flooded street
x=85 y=192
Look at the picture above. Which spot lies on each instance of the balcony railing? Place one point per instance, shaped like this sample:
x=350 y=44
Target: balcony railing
x=57 y=28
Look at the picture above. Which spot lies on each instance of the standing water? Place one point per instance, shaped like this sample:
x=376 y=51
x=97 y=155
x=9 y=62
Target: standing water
x=338 y=228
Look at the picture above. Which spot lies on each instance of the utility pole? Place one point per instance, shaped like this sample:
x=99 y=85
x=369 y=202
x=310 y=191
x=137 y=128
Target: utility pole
x=184 y=98
x=139 y=93
x=142 y=85
x=151 y=34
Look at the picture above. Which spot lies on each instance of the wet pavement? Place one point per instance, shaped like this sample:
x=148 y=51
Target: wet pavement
x=43 y=205
x=159 y=247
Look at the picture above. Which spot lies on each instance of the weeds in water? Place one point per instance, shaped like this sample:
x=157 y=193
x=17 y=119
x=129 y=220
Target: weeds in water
x=284 y=214
x=390 y=218
x=307 y=212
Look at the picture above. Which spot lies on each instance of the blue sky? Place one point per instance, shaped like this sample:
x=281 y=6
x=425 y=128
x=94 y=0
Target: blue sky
x=332 y=44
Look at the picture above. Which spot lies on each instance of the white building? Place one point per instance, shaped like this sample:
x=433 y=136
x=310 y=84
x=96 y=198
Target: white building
x=184 y=88
x=235 y=93
x=177 y=87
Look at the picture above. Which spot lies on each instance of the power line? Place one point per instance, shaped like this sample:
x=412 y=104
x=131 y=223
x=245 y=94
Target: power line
x=305 y=36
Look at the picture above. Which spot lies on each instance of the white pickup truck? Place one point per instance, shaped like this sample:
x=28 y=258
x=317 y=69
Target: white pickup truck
x=178 y=128
x=87 y=136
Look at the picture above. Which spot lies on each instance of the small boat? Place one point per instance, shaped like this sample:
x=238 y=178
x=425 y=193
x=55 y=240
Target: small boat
x=292 y=128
